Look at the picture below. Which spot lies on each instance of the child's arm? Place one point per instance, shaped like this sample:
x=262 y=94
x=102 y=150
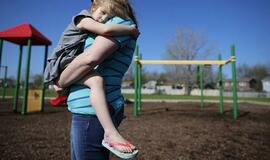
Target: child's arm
x=107 y=29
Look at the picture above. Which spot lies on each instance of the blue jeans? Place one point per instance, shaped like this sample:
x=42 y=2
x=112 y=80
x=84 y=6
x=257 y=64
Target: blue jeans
x=86 y=135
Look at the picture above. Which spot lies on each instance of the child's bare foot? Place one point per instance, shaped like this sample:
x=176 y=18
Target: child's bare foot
x=115 y=140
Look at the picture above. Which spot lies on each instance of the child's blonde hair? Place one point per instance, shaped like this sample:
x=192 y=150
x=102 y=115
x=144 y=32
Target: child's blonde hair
x=120 y=8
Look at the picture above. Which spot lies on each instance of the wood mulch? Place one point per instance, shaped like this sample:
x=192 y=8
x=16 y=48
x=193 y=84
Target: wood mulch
x=163 y=131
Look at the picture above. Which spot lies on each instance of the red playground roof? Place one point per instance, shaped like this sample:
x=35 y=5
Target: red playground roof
x=21 y=33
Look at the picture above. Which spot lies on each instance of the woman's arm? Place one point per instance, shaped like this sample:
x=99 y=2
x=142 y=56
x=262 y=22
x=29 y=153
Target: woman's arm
x=85 y=62
x=91 y=25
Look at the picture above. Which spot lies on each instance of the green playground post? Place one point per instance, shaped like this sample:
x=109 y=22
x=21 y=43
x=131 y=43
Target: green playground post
x=220 y=86
x=234 y=80
x=5 y=82
x=198 y=75
x=43 y=84
x=1 y=51
x=17 y=88
x=5 y=78
x=136 y=64
x=26 y=83
x=201 y=85
x=139 y=84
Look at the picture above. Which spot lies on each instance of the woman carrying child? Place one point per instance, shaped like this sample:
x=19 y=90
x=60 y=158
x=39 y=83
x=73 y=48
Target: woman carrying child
x=110 y=56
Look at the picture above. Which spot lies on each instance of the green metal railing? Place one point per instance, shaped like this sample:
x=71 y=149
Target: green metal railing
x=43 y=84
x=17 y=87
x=202 y=85
x=234 y=80
x=220 y=86
x=26 y=82
x=4 y=81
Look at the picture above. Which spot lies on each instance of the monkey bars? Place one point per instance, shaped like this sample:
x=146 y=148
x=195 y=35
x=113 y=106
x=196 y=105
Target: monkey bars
x=198 y=62
x=139 y=62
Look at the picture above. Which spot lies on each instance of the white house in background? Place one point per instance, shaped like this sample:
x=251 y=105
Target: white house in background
x=150 y=85
x=126 y=84
x=243 y=84
x=266 y=84
x=170 y=88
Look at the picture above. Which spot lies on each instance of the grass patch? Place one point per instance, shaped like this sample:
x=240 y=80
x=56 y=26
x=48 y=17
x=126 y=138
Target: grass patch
x=11 y=92
x=185 y=97
x=52 y=93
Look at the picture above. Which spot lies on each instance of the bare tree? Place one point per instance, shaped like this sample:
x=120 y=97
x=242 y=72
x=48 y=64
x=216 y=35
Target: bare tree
x=209 y=76
x=243 y=70
x=37 y=80
x=258 y=71
x=11 y=81
x=187 y=45
x=129 y=75
x=152 y=76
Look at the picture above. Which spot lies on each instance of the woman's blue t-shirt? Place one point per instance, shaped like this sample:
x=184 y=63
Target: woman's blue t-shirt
x=112 y=69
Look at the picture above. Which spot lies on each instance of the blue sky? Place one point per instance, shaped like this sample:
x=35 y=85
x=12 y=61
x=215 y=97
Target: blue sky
x=245 y=23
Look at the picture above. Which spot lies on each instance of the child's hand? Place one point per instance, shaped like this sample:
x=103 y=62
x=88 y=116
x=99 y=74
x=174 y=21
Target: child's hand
x=134 y=31
x=57 y=87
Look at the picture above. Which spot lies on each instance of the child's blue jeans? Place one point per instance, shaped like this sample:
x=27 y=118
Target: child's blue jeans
x=86 y=135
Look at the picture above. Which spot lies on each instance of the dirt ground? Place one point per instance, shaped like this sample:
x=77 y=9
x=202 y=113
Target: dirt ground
x=163 y=131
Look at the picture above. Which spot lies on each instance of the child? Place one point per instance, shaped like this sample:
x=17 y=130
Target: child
x=70 y=45
x=92 y=25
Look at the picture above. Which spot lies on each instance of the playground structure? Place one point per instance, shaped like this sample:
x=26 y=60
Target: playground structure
x=139 y=62
x=22 y=35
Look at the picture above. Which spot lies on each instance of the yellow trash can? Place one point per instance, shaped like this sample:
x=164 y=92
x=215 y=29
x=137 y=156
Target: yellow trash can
x=34 y=100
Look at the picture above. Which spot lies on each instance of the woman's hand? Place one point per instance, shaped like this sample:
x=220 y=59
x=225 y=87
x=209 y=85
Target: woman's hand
x=134 y=31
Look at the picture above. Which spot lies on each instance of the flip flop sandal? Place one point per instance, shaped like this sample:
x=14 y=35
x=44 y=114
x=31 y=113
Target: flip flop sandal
x=120 y=154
